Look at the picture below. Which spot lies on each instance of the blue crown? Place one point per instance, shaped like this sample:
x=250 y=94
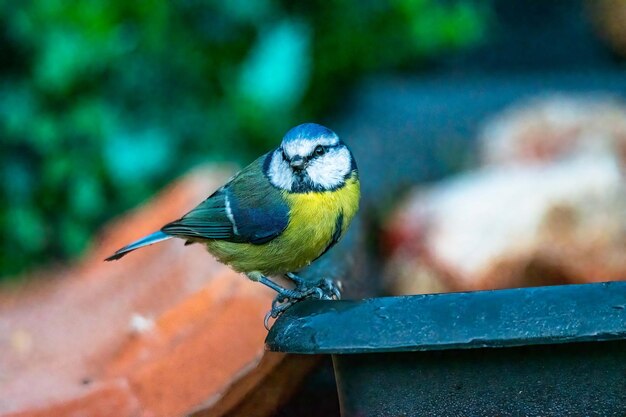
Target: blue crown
x=308 y=131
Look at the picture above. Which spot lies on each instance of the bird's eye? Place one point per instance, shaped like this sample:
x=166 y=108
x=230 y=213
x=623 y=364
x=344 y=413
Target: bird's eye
x=319 y=150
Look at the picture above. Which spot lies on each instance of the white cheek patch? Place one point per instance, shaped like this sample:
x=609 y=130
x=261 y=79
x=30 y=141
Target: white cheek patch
x=304 y=147
x=279 y=172
x=330 y=170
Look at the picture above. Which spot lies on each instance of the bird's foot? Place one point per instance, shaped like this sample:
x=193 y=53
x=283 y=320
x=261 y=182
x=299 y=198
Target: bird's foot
x=279 y=305
x=287 y=298
x=325 y=289
x=330 y=289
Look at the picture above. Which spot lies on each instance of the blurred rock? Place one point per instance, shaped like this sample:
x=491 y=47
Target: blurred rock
x=166 y=331
x=548 y=209
x=555 y=127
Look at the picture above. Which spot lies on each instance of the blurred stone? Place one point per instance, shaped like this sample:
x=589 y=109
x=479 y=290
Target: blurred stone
x=555 y=127
x=166 y=331
x=407 y=131
x=548 y=209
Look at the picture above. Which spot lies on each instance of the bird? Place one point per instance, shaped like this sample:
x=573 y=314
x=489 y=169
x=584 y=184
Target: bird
x=277 y=215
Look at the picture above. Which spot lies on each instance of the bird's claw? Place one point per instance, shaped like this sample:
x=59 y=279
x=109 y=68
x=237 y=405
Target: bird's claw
x=325 y=289
x=329 y=290
x=279 y=305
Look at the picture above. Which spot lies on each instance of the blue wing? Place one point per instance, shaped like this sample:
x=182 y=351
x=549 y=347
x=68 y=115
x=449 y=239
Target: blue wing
x=247 y=209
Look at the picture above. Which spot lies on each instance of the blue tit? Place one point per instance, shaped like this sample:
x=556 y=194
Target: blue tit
x=278 y=214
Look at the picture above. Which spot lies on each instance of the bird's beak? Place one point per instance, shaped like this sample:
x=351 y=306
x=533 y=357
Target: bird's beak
x=297 y=163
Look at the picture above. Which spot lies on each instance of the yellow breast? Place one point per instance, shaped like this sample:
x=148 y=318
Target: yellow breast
x=312 y=220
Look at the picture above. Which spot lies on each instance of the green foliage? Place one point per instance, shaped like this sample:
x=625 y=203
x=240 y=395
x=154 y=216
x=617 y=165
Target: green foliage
x=104 y=101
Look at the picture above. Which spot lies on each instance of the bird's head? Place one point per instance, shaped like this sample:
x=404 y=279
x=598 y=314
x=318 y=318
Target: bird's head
x=311 y=157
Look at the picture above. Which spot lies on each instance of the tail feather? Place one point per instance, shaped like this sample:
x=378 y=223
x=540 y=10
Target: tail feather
x=144 y=241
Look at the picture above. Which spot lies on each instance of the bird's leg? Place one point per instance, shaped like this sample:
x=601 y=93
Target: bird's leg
x=295 y=278
x=297 y=293
x=283 y=293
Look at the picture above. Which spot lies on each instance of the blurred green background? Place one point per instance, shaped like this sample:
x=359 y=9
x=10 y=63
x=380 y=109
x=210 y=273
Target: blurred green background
x=102 y=102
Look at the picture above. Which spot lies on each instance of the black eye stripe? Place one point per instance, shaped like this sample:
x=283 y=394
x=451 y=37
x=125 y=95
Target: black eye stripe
x=313 y=154
x=325 y=148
